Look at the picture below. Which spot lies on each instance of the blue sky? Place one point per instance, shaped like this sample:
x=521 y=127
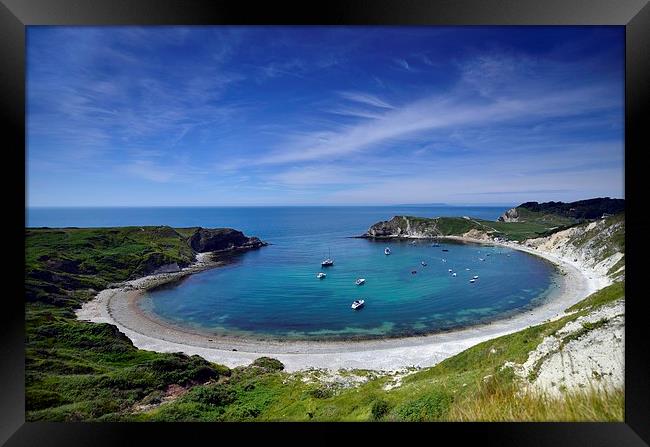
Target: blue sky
x=133 y=116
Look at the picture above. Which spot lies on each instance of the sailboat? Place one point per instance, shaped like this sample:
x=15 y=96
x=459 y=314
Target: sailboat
x=327 y=262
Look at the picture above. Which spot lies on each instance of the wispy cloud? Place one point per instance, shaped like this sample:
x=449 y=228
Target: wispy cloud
x=324 y=115
x=366 y=98
x=403 y=64
x=449 y=111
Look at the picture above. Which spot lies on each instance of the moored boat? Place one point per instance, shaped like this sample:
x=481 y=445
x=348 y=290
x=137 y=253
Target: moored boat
x=356 y=304
x=386 y=251
x=321 y=275
x=360 y=281
x=328 y=262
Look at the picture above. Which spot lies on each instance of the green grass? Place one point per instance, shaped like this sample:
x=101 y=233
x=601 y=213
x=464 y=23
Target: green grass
x=604 y=296
x=456 y=226
x=546 y=219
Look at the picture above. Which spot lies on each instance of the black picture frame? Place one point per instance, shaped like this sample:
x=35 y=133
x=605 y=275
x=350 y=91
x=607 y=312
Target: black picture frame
x=15 y=15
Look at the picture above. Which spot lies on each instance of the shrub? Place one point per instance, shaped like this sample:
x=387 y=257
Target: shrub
x=429 y=407
x=215 y=395
x=36 y=399
x=379 y=409
x=321 y=393
x=268 y=363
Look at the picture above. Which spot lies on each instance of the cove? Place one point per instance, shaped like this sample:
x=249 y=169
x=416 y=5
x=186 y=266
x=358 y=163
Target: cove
x=274 y=293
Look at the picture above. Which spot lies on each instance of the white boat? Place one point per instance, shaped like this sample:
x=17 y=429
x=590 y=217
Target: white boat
x=453 y=274
x=360 y=281
x=450 y=270
x=321 y=275
x=467 y=270
x=475 y=277
x=358 y=304
x=424 y=264
x=444 y=260
x=386 y=251
x=472 y=280
x=481 y=259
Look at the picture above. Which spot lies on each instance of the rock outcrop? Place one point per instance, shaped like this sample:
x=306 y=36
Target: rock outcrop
x=221 y=239
x=404 y=227
x=586 y=353
x=426 y=228
x=598 y=246
x=512 y=215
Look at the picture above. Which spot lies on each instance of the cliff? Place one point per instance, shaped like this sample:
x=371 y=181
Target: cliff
x=564 y=213
x=598 y=246
x=220 y=239
x=420 y=227
x=61 y=260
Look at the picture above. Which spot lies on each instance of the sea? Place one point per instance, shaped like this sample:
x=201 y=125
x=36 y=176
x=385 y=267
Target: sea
x=273 y=292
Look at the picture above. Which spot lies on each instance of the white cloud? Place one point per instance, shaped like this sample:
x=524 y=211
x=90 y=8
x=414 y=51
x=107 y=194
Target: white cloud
x=366 y=98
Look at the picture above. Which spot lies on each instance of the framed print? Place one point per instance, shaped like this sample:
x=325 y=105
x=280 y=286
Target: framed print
x=338 y=219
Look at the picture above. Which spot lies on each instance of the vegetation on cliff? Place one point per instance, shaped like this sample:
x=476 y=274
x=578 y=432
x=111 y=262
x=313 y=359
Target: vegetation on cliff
x=78 y=370
x=422 y=227
x=561 y=213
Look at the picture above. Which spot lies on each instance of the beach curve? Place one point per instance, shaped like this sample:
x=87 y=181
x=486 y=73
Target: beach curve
x=118 y=306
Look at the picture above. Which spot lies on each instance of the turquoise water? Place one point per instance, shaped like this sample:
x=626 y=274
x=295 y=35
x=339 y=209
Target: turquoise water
x=273 y=292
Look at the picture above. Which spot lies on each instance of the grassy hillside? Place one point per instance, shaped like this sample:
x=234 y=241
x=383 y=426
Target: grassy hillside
x=58 y=261
x=77 y=370
x=514 y=231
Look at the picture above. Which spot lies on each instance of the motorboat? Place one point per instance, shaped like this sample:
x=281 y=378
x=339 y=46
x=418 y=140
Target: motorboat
x=450 y=270
x=321 y=275
x=424 y=264
x=475 y=277
x=360 y=281
x=453 y=274
x=386 y=251
x=472 y=280
x=413 y=272
x=412 y=243
x=481 y=259
x=356 y=304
